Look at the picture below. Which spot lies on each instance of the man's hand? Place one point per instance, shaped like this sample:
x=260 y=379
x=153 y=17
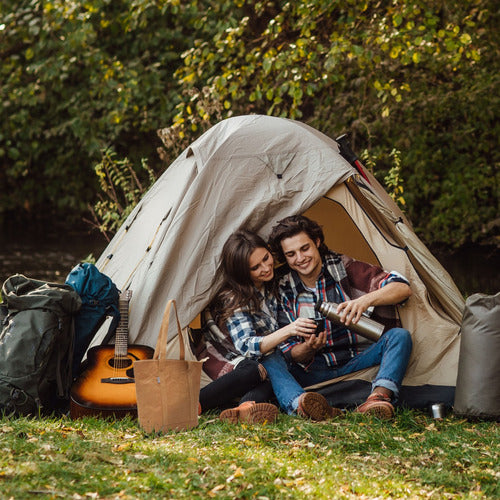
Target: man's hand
x=351 y=311
x=305 y=351
x=390 y=294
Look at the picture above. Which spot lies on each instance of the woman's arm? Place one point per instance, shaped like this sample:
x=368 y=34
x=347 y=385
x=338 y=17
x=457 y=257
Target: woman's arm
x=301 y=327
x=252 y=344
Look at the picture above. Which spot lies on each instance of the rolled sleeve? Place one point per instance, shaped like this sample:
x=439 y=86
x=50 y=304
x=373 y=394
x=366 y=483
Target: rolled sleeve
x=394 y=277
x=243 y=335
x=286 y=348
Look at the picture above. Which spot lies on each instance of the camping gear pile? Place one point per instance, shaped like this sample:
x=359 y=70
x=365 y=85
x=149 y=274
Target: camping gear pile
x=251 y=171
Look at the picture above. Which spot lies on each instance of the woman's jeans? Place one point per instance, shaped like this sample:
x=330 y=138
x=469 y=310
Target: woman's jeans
x=391 y=352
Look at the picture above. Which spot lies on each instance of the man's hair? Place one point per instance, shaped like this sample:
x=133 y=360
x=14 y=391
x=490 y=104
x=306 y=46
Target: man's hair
x=291 y=226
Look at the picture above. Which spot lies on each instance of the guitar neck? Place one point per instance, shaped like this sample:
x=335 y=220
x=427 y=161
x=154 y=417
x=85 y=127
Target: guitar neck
x=121 y=335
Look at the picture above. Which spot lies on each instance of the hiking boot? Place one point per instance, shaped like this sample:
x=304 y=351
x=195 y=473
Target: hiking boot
x=315 y=406
x=377 y=405
x=250 y=412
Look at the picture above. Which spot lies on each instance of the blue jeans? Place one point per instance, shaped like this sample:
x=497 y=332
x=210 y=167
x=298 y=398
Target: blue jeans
x=391 y=352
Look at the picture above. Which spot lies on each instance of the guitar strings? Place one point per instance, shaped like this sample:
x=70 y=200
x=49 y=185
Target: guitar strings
x=121 y=337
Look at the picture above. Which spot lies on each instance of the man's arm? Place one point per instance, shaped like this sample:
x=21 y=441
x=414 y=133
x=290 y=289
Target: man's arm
x=391 y=294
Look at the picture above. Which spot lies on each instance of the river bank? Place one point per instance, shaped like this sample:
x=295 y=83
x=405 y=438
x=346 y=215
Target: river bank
x=50 y=257
x=46 y=256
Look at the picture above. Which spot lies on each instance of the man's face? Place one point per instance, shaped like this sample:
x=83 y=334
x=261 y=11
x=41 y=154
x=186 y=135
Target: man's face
x=302 y=255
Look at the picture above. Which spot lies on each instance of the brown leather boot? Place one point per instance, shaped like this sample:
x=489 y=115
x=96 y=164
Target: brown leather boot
x=251 y=412
x=378 y=405
x=315 y=406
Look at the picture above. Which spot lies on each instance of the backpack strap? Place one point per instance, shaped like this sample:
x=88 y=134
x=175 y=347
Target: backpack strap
x=64 y=365
x=114 y=313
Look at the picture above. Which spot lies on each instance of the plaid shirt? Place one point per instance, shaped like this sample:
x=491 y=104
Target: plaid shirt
x=341 y=279
x=247 y=327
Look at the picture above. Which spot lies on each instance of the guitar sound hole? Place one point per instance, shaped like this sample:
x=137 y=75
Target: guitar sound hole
x=120 y=363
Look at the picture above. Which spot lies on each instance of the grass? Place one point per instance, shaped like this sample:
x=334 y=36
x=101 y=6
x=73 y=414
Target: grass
x=355 y=457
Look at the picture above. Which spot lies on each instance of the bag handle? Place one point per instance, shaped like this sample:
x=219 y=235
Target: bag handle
x=161 y=344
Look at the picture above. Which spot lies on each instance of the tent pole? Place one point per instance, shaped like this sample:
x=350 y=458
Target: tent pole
x=349 y=155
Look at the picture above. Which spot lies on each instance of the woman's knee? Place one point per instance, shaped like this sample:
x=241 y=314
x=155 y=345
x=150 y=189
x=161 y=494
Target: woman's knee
x=263 y=372
x=250 y=368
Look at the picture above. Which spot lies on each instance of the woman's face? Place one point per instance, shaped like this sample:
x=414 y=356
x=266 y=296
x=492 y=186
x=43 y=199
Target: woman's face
x=261 y=264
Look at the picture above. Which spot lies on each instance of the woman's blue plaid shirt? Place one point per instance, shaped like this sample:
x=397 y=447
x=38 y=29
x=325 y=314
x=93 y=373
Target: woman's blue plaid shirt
x=248 y=327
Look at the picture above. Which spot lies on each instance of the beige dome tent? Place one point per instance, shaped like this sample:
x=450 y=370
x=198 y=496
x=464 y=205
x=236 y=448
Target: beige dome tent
x=252 y=171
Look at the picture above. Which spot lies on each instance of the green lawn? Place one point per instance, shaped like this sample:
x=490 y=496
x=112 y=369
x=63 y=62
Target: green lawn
x=355 y=457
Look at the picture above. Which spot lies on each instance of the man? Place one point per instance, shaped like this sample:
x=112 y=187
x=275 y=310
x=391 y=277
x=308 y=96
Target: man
x=318 y=274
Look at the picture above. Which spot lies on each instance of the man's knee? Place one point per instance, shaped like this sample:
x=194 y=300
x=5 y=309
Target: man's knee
x=400 y=336
x=275 y=361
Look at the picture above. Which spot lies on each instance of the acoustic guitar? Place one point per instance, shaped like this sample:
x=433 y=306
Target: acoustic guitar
x=106 y=388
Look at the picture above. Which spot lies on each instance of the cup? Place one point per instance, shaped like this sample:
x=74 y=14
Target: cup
x=438 y=411
x=320 y=325
x=309 y=312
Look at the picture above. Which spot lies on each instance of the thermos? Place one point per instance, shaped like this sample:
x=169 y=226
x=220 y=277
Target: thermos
x=366 y=327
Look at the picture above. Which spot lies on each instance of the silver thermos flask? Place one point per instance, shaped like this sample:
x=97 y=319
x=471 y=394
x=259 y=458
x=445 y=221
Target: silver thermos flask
x=366 y=327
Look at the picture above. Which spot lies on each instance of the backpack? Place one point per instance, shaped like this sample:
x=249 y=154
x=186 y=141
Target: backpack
x=99 y=297
x=36 y=345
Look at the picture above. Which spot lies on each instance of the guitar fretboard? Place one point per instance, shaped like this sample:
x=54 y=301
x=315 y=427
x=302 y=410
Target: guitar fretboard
x=121 y=335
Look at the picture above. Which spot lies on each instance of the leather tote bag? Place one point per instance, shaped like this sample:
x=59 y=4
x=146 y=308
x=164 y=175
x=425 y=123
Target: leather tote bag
x=167 y=389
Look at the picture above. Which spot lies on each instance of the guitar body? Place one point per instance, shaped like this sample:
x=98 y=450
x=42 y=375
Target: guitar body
x=107 y=386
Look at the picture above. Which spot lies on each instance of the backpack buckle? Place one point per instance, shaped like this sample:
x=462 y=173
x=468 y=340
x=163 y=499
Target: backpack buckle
x=15 y=396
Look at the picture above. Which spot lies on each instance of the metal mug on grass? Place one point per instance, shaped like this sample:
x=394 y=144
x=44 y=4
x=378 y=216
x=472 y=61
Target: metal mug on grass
x=438 y=411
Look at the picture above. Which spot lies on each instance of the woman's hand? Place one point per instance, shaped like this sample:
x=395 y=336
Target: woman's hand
x=301 y=327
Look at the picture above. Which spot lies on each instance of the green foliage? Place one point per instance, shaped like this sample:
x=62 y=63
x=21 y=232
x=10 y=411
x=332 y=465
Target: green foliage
x=391 y=179
x=419 y=77
x=77 y=77
x=415 y=77
x=121 y=190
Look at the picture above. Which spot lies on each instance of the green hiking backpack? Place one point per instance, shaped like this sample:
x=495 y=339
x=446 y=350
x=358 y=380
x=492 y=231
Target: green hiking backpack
x=36 y=346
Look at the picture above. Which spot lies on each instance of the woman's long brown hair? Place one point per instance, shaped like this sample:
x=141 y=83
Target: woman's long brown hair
x=238 y=289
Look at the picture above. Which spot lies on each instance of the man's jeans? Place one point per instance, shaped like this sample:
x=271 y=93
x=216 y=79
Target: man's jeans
x=391 y=352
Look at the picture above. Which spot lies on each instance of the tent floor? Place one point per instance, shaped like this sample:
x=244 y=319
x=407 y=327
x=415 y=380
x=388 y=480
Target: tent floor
x=349 y=394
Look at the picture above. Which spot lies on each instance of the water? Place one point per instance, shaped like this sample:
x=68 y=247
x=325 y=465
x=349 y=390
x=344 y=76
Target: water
x=47 y=256
x=474 y=269
x=50 y=256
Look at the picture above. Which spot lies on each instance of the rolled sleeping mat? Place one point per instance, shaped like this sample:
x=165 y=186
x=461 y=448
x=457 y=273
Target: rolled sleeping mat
x=477 y=392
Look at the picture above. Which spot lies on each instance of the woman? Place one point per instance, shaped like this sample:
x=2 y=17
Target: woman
x=247 y=305
x=234 y=376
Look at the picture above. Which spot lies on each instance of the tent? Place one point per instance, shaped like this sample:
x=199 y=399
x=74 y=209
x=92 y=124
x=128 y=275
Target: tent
x=252 y=171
